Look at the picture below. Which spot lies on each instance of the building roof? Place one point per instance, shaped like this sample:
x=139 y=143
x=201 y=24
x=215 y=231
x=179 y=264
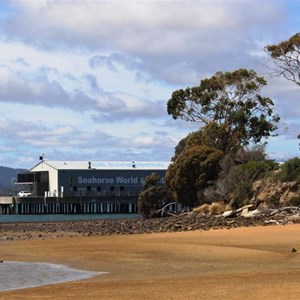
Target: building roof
x=105 y=165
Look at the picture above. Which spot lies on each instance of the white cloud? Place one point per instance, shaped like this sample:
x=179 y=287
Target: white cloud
x=92 y=79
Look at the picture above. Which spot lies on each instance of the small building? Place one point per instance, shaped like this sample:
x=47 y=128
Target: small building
x=85 y=186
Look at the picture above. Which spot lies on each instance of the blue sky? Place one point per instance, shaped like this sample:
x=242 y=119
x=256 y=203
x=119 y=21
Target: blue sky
x=90 y=80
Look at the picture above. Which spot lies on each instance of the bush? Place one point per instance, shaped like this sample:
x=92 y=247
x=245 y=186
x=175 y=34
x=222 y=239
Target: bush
x=290 y=170
x=273 y=202
x=295 y=201
x=153 y=199
x=192 y=172
x=215 y=208
x=202 y=209
x=238 y=172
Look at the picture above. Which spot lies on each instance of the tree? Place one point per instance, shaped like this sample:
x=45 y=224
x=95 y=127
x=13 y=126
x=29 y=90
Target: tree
x=192 y=172
x=154 y=196
x=238 y=174
x=230 y=108
x=286 y=57
x=211 y=135
x=151 y=180
x=192 y=139
x=290 y=170
x=153 y=199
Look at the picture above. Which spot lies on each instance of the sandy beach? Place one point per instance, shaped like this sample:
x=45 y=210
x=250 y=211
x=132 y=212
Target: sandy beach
x=240 y=263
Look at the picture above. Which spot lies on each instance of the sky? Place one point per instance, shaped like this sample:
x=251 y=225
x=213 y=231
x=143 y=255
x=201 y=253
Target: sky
x=90 y=80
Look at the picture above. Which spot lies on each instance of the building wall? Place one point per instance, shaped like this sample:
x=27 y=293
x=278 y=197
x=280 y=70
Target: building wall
x=103 y=182
x=53 y=177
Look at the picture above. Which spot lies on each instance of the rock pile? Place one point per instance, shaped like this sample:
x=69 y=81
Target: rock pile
x=184 y=222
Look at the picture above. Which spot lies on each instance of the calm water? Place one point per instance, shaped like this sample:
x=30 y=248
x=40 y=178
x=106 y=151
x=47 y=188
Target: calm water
x=63 y=217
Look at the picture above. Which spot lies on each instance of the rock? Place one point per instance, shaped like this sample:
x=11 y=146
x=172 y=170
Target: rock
x=294 y=250
x=185 y=222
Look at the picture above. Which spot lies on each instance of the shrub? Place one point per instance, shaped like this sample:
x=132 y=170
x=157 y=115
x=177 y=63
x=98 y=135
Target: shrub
x=295 y=201
x=290 y=170
x=215 y=208
x=192 y=172
x=273 y=202
x=295 y=219
x=153 y=199
x=202 y=209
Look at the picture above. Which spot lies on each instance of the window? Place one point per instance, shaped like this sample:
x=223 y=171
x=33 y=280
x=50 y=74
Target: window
x=98 y=188
x=112 y=188
x=121 y=188
x=74 y=188
x=88 y=188
x=26 y=177
x=42 y=177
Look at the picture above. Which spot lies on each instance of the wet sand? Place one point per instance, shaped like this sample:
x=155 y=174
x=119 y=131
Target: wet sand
x=241 y=263
x=20 y=275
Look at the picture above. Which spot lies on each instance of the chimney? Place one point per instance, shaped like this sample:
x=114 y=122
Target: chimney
x=90 y=165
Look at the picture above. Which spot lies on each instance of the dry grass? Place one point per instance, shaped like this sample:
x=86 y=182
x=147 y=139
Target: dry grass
x=215 y=208
x=295 y=219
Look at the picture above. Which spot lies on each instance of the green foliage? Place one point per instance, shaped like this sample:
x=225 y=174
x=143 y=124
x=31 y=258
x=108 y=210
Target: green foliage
x=295 y=201
x=274 y=202
x=153 y=199
x=151 y=180
x=256 y=153
x=290 y=170
x=238 y=175
x=192 y=172
x=286 y=58
x=229 y=106
x=239 y=181
x=285 y=47
x=192 y=139
x=154 y=196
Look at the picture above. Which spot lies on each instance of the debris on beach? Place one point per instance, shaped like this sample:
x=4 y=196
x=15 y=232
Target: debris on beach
x=242 y=217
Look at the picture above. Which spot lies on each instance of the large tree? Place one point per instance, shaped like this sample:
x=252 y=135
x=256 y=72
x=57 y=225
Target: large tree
x=229 y=107
x=286 y=58
x=154 y=196
x=192 y=172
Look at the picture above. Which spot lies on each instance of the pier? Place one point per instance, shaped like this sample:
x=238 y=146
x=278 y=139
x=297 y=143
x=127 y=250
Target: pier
x=67 y=205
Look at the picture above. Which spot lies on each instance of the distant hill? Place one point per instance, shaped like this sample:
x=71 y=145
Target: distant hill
x=6 y=176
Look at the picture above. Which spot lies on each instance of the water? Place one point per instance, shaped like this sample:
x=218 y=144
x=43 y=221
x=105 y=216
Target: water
x=20 y=275
x=62 y=217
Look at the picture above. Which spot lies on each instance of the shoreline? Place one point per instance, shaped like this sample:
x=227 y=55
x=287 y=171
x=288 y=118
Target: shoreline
x=130 y=226
x=241 y=263
x=22 y=275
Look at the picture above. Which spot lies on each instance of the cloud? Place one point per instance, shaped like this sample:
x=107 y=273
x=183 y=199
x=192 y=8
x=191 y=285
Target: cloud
x=64 y=142
x=92 y=78
x=18 y=88
x=166 y=37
